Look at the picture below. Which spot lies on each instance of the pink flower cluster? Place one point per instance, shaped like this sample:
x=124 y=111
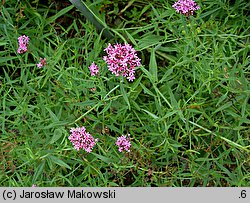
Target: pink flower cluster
x=23 y=43
x=41 y=63
x=82 y=139
x=94 y=69
x=186 y=7
x=123 y=143
x=122 y=60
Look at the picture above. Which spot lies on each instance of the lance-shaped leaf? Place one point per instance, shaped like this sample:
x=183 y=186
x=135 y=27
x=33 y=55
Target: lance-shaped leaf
x=98 y=23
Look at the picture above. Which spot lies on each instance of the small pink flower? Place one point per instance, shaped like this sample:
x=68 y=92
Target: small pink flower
x=94 y=69
x=122 y=60
x=123 y=143
x=186 y=7
x=41 y=63
x=23 y=43
x=34 y=185
x=82 y=139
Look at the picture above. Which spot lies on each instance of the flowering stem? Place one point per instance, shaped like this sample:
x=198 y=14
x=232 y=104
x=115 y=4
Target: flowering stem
x=104 y=99
x=85 y=113
x=82 y=157
x=184 y=23
x=111 y=92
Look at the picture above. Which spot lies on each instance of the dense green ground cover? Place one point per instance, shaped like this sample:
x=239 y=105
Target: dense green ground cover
x=187 y=110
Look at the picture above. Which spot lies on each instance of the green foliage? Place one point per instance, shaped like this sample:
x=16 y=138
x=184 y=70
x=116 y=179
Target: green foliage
x=187 y=110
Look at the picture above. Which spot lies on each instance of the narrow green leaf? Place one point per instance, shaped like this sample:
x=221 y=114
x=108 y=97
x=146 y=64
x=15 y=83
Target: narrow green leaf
x=208 y=13
x=136 y=83
x=58 y=161
x=168 y=49
x=148 y=74
x=244 y=106
x=6 y=58
x=146 y=90
x=151 y=114
x=2 y=43
x=103 y=158
x=167 y=115
x=135 y=105
x=97 y=22
x=222 y=98
x=166 y=75
x=105 y=97
x=52 y=115
x=226 y=171
x=167 y=56
x=7 y=15
x=125 y=96
x=221 y=108
x=106 y=107
x=174 y=103
x=149 y=40
x=153 y=66
x=59 y=14
x=57 y=135
x=85 y=103
x=221 y=137
x=38 y=171
x=54 y=124
x=164 y=98
x=131 y=38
